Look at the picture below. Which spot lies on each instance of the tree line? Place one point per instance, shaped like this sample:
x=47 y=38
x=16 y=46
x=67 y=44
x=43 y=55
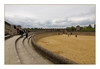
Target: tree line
x=82 y=29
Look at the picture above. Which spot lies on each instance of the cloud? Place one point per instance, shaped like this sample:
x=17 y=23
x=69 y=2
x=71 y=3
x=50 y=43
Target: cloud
x=34 y=23
x=60 y=21
x=50 y=16
x=86 y=22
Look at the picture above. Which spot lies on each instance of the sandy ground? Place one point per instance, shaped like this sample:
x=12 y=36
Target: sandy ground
x=80 y=49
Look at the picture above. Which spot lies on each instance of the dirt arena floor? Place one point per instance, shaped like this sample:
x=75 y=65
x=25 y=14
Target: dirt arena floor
x=80 y=49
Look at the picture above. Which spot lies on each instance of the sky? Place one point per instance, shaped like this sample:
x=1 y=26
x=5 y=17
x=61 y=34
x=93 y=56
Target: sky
x=50 y=15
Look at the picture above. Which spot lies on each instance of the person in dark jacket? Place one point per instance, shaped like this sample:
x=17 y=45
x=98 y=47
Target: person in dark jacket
x=26 y=34
x=21 y=33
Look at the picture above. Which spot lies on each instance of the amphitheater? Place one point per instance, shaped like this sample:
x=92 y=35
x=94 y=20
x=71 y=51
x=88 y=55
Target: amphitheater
x=80 y=49
x=50 y=47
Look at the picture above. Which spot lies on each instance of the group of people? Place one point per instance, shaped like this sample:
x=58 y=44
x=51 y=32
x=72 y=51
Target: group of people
x=22 y=32
x=71 y=34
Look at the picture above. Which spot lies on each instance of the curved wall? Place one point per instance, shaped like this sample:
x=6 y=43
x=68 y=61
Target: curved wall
x=55 y=58
x=82 y=33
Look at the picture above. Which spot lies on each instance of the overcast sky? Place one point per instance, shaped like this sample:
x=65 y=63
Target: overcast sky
x=50 y=16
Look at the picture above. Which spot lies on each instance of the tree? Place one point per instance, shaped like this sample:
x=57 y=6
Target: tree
x=81 y=28
x=32 y=28
x=35 y=28
x=89 y=26
x=73 y=28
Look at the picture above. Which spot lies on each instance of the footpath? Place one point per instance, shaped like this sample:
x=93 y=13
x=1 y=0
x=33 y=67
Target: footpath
x=24 y=54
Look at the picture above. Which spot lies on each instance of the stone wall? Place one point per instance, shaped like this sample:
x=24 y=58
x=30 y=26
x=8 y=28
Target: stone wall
x=82 y=33
x=44 y=34
x=11 y=29
x=55 y=58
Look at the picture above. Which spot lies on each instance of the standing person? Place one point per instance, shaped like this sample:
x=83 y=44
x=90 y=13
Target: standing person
x=75 y=35
x=26 y=34
x=21 y=33
x=68 y=34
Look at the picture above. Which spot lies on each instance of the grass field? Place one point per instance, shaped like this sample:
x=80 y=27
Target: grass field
x=80 y=49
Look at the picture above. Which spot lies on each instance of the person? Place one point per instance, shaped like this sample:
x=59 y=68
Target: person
x=21 y=33
x=68 y=34
x=26 y=34
x=75 y=35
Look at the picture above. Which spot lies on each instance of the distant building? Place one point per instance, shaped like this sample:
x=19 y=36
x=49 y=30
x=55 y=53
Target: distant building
x=19 y=27
x=77 y=28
